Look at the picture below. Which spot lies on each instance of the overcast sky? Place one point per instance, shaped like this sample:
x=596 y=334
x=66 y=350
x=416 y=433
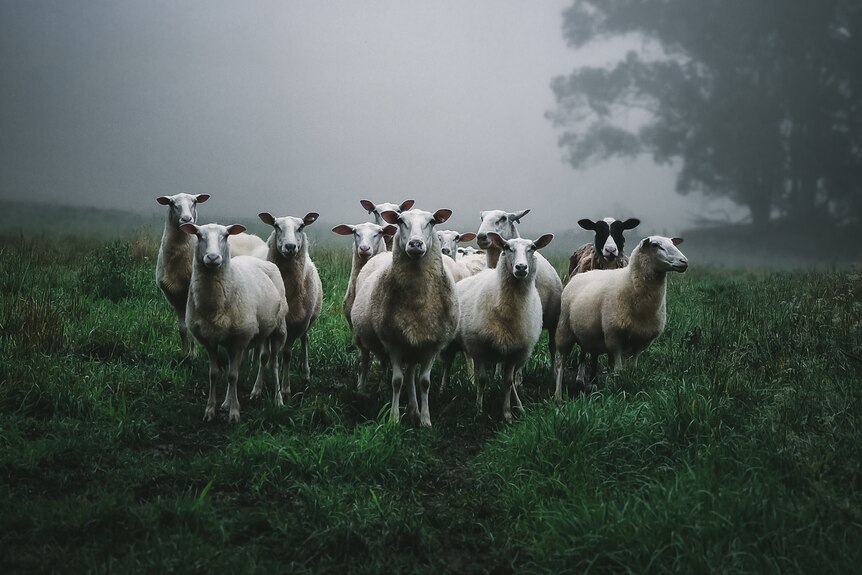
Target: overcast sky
x=297 y=106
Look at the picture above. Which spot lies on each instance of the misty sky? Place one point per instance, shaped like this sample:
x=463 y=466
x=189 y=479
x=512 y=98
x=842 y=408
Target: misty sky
x=297 y=106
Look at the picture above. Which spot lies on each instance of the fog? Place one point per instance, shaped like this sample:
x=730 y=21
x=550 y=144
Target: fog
x=301 y=106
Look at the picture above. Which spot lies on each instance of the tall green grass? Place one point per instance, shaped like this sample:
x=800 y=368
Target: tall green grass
x=735 y=445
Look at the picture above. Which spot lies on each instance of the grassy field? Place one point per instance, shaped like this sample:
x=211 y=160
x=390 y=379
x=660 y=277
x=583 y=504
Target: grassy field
x=734 y=446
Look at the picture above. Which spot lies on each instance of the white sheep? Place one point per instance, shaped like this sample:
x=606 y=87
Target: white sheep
x=501 y=315
x=458 y=268
x=234 y=303
x=619 y=312
x=174 y=264
x=547 y=279
x=449 y=241
x=248 y=245
x=378 y=209
x=405 y=307
x=287 y=248
x=368 y=241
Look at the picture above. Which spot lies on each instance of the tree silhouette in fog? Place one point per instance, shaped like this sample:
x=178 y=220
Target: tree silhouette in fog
x=759 y=101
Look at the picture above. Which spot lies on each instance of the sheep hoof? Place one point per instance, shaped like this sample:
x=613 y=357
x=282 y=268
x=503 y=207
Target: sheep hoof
x=234 y=416
x=425 y=421
x=225 y=405
x=255 y=393
x=209 y=414
x=507 y=416
x=279 y=402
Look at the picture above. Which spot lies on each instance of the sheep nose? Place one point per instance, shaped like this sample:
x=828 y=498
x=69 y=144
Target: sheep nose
x=415 y=248
x=446 y=251
x=290 y=248
x=212 y=259
x=520 y=270
x=185 y=219
x=364 y=249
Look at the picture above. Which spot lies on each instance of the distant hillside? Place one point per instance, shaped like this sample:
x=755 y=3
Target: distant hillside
x=783 y=246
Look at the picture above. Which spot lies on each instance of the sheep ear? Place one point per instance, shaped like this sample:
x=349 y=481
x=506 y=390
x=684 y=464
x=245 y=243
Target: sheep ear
x=588 y=224
x=645 y=242
x=468 y=237
x=498 y=240
x=201 y=198
x=442 y=215
x=368 y=205
x=266 y=218
x=543 y=241
x=631 y=223
x=516 y=216
x=235 y=229
x=343 y=229
x=164 y=200
x=390 y=217
x=676 y=241
x=310 y=218
x=406 y=205
x=190 y=229
x=389 y=230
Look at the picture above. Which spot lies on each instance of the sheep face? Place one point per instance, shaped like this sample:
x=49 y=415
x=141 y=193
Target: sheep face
x=212 y=249
x=503 y=223
x=518 y=255
x=449 y=241
x=183 y=207
x=609 y=240
x=664 y=254
x=416 y=229
x=378 y=209
x=289 y=234
x=367 y=237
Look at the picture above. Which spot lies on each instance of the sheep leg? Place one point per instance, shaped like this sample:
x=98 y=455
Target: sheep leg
x=594 y=371
x=559 y=367
x=582 y=377
x=412 y=404
x=363 y=369
x=446 y=357
x=232 y=377
x=274 y=346
x=226 y=403
x=615 y=360
x=306 y=369
x=509 y=385
x=210 y=411
x=425 y=386
x=286 y=355
x=259 y=383
x=552 y=347
x=481 y=379
x=397 y=380
x=518 y=403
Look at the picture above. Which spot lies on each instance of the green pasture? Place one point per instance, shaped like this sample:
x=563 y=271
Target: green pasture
x=734 y=446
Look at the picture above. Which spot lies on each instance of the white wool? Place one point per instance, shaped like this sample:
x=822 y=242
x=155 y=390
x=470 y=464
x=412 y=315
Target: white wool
x=234 y=303
x=287 y=248
x=368 y=242
x=405 y=307
x=619 y=312
x=174 y=263
x=245 y=244
x=501 y=314
x=547 y=279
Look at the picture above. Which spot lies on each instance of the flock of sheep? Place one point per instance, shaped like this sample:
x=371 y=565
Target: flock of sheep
x=413 y=295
